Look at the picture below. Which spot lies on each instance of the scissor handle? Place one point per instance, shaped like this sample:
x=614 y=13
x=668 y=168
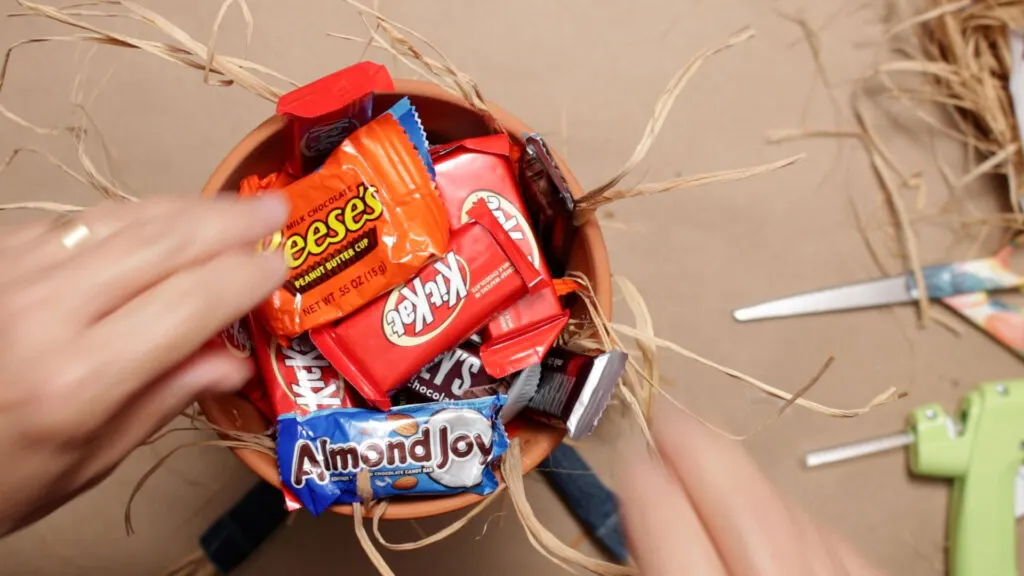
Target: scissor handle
x=1002 y=322
x=978 y=275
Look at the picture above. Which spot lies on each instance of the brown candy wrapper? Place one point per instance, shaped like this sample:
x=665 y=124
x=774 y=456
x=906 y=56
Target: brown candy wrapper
x=454 y=375
x=575 y=389
x=549 y=202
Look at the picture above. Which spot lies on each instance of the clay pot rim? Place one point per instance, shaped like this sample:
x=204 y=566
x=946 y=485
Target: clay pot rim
x=543 y=438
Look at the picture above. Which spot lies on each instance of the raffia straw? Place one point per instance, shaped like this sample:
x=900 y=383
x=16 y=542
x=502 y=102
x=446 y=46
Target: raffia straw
x=881 y=161
x=598 y=334
x=215 y=31
x=54 y=207
x=195 y=564
x=381 y=507
x=364 y=540
x=662 y=108
x=888 y=395
x=588 y=203
x=962 y=50
x=440 y=69
x=186 y=51
x=542 y=538
x=48 y=156
x=813 y=41
x=129 y=527
x=648 y=352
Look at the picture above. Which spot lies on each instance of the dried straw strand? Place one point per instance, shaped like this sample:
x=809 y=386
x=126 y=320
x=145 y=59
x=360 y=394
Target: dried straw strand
x=542 y=538
x=585 y=204
x=364 y=540
x=662 y=108
x=129 y=527
x=189 y=51
x=215 y=31
x=880 y=158
x=962 y=50
x=426 y=540
x=440 y=69
x=888 y=395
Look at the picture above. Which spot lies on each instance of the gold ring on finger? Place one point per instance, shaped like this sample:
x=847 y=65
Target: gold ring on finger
x=73 y=233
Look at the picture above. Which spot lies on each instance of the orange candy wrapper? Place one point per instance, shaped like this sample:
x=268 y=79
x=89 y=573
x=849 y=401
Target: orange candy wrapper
x=366 y=221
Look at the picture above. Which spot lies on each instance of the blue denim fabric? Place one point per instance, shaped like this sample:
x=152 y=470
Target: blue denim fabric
x=593 y=504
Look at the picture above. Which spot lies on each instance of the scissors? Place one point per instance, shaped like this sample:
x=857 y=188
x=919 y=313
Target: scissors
x=962 y=286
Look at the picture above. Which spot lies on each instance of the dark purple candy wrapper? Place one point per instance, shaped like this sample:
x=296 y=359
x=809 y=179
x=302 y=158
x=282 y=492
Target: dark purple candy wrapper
x=575 y=389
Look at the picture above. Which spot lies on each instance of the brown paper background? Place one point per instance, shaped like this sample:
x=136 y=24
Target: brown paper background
x=586 y=74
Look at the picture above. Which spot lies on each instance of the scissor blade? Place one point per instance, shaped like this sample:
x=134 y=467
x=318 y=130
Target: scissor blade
x=868 y=294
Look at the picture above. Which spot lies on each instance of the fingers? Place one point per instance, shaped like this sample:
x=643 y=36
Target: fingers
x=208 y=371
x=12 y=236
x=151 y=247
x=39 y=248
x=665 y=534
x=167 y=323
x=751 y=527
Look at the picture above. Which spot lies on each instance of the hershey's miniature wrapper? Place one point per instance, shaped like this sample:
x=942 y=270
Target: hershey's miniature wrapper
x=455 y=374
x=483 y=169
x=324 y=112
x=354 y=455
x=381 y=345
x=550 y=202
x=575 y=389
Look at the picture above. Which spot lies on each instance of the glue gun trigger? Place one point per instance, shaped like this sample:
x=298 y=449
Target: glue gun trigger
x=1018 y=494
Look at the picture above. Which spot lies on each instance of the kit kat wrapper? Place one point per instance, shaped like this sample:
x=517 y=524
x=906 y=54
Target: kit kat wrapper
x=297 y=377
x=484 y=169
x=575 y=389
x=236 y=339
x=380 y=346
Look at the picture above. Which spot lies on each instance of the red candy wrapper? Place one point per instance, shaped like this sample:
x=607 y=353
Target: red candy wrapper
x=380 y=346
x=484 y=169
x=323 y=113
x=298 y=380
x=236 y=340
x=297 y=377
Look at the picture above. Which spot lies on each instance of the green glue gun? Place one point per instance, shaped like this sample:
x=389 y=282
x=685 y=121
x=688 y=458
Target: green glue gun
x=981 y=451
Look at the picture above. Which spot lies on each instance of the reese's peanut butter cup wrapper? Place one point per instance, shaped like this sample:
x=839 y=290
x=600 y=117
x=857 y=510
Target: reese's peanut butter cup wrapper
x=483 y=169
x=254 y=184
x=324 y=112
x=353 y=455
x=575 y=388
x=366 y=221
x=379 y=347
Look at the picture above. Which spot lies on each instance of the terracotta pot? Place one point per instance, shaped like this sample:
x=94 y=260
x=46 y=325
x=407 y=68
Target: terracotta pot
x=446 y=118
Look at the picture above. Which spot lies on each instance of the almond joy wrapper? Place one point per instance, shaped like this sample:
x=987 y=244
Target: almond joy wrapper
x=353 y=455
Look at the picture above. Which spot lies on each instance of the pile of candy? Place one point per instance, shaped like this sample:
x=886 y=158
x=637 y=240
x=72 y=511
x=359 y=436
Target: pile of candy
x=422 y=306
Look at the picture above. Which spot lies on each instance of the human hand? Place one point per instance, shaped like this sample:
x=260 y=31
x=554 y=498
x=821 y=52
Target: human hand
x=100 y=343
x=710 y=511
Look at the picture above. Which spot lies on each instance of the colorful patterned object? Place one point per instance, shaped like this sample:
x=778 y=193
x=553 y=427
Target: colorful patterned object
x=1002 y=322
x=978 y=275
x=964 y=286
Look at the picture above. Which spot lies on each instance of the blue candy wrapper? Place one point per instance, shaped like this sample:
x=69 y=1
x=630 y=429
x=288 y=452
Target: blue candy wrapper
x=349 y=455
